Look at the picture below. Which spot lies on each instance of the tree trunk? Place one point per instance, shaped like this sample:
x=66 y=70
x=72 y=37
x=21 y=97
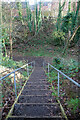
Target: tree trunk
x=61 y=7
x=0 y=31
x=75 y=16
x=68 y=42
x=19 y=6
x=11 y=36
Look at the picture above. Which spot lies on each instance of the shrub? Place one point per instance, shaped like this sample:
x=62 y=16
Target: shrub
x=58 y=38
x=73 y=104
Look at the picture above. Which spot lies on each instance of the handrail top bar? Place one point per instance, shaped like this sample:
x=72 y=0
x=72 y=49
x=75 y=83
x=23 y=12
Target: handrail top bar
x=15 y=70
x=65 y=75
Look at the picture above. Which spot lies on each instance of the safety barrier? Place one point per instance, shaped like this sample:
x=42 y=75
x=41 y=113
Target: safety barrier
x=13 y=72
x=59 y=72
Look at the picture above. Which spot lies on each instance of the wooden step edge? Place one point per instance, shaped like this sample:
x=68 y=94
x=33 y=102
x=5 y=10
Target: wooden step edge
x=37 y=103
x=37 y=95
x=35 y=116
x=37 y=82
x=38 y=90
x=62 y=109
x=28 y=89
x=39 y=79
x=11 y=110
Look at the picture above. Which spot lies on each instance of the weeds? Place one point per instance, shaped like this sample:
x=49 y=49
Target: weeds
x=73 y=104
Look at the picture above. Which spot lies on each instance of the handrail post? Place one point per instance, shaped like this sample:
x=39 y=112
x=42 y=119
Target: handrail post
x=58 y=84
x=31 y=66
x=34 y=64
x=15 y=85
x=48 y=69
x=27 y=70
x=43 y=64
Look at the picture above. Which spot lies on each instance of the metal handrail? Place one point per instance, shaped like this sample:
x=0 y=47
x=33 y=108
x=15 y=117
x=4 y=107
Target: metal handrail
x=16 y=71
x=59 y=72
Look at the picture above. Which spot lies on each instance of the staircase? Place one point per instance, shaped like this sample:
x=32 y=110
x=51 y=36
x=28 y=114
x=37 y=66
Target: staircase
x=36 y=100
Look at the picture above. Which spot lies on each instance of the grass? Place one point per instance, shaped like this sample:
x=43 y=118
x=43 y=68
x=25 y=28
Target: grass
x=38 y=51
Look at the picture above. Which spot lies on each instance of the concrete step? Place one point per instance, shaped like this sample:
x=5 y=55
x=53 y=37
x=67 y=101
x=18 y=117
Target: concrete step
x=37 y=110
x=35 y=117
x=36 y=87
x=35 y=92
x=36 y=83
x=36 y=99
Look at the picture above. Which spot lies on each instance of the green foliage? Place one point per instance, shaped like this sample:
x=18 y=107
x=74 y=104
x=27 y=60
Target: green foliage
x=73 y=104
x=54 y=94
x=58 y=38
x=5 y=36
x=39 y=17
x=11 y=63
x=53 y=76
x=57 y=60
x=61 y=7
x=29 y=16
x=69 y=6
x=70 y=20
x=36 y=11
x=75 y=16
x=8 y=62
x=70 y=68
x=67 y=22
x=19 y=6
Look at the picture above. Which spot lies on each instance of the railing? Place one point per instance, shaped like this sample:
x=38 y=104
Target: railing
x=32 y=65
x=59 y=72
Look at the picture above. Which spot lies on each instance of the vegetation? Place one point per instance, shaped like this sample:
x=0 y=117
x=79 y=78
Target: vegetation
x=69 y=97
x=58 y=38
x=61 y=7
x=0 y=32
x=74 y=104
x=19 y=6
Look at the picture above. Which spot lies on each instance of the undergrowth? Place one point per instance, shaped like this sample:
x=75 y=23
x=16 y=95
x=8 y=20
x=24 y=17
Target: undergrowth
x=11 y=63
x=68 y=92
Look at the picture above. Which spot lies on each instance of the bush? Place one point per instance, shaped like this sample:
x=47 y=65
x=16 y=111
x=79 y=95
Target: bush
x=58 y=38
x=73 y=104
x=11 y=63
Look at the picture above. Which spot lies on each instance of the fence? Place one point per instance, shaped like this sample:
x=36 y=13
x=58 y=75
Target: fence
x=59 y=72
x=14 y=73
x=65 y=89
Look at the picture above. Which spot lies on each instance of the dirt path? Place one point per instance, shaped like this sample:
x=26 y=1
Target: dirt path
x=38 y=60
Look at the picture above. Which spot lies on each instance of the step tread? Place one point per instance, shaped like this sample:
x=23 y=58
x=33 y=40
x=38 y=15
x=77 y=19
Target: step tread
x=36 y=110
x=35 y=92
x=36 y=117
x=36 y=99
x=38 y=103
x=37 y=87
